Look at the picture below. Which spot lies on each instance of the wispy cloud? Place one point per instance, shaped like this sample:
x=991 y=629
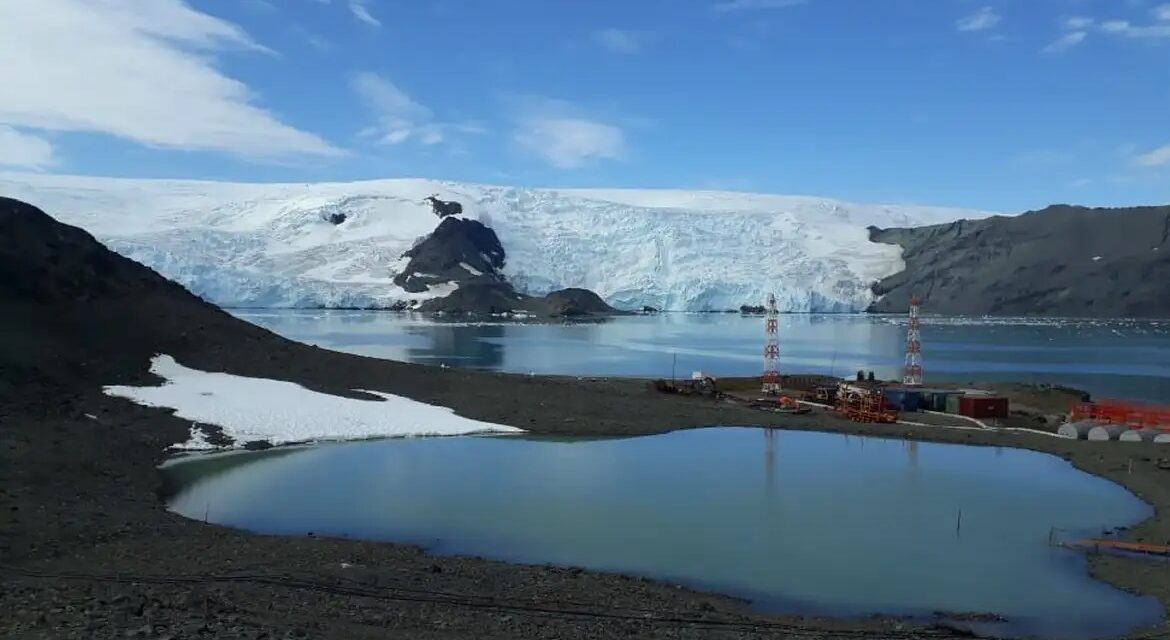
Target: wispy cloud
x=1159 y=157
x=1161 y=12
x=1065 y=42
x=1126 y=29
x=730 y=6
x=983 y=19
x=560 y=134
x=399 y=117
x=24 y=151
x=156 y=69
x=1077 y=23
x=362 y=12
x=621 y=41
x=569 y=143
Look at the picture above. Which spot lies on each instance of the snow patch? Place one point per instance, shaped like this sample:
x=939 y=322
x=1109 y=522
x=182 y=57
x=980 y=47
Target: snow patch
x=283 y=412
x=470 y=269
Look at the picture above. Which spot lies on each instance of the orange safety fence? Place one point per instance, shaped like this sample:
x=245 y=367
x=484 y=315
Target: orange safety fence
x=1118 y=412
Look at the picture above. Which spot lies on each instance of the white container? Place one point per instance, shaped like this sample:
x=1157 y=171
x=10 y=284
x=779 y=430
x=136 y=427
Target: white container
x=1106 y=432
x=1162 y=438
x=1076 y=430
x=1139 y=435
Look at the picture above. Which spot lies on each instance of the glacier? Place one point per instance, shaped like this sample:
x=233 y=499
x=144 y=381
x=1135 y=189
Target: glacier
x=273 y=245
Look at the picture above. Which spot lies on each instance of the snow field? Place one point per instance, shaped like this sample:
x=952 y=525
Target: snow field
x=282 y=412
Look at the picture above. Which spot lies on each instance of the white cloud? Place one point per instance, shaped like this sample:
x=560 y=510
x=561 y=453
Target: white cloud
x=620 y=41
x=1066 y=42
x=569 y=143
x=983 y=19
x=1126 y=29
x=360 y=11
x=142 y=70
x=729 y=6
x=1159 y=157
x=22 y=150
x=399 y=117
x=1162 y=12
x=1077 y=23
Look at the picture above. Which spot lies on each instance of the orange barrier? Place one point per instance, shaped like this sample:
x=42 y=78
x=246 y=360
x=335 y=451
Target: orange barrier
x=1117 y=412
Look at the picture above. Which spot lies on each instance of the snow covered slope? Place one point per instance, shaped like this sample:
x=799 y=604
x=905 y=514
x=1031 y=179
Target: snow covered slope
x=273 y=245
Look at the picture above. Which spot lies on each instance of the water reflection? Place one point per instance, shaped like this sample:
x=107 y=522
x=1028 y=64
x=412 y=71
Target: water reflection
x=1127 y=359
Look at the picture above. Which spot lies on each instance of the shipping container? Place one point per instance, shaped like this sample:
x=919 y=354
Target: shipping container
x=939 y=401
x=952 y=404
x=904 y=399
x=980 y=407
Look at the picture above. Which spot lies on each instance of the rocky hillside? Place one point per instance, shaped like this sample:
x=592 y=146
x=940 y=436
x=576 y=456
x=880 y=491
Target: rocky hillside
x=460 y=251
x=1060 y=261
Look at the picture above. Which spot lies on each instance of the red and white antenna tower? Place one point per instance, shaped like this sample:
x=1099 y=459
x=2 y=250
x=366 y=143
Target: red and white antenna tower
x=771 y=347
x=912 y=377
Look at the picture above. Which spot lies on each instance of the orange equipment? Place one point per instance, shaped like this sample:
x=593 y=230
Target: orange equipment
x=865 y=405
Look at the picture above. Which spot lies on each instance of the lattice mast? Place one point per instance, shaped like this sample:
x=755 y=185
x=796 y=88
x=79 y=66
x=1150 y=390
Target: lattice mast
x=912 y=376
x=772 y=347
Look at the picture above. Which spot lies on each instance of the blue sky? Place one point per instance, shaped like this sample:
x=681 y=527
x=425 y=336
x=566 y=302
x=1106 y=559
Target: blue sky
x=1005 y=105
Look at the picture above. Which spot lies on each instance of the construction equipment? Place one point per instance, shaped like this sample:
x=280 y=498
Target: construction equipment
x=864 y=404
x=780 y=404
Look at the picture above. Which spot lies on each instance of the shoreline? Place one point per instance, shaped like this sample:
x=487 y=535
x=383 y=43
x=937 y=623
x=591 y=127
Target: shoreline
x=632 y=410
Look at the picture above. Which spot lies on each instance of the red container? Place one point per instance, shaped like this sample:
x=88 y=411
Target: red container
x=983 y=407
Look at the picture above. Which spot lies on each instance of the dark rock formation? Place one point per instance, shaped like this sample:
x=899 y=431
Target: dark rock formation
x=461 y=251
x=751 y=309
x=469 y=255
x=501 y=298
x=1060 y=261
x=335 y=218
x=444 y=208
x=568 y=303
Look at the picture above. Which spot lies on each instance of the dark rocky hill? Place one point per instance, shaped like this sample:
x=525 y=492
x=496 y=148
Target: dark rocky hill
x=1060 y=261
x=462 y=251
x=469 y=254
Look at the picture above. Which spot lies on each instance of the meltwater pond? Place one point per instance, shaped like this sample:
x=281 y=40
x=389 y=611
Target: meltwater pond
x=796 y=522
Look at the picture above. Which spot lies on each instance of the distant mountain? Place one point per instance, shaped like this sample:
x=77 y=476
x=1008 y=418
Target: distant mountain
x=1060 y=261
x=345 y=244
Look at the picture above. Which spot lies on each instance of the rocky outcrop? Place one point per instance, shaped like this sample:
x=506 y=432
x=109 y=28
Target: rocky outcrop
x=568 y=303
x=461 y=251
x=1060 y=261
x=501 y=298
x=468 y=255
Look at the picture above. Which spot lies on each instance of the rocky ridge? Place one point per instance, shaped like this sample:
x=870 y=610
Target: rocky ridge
x=1060 y=261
